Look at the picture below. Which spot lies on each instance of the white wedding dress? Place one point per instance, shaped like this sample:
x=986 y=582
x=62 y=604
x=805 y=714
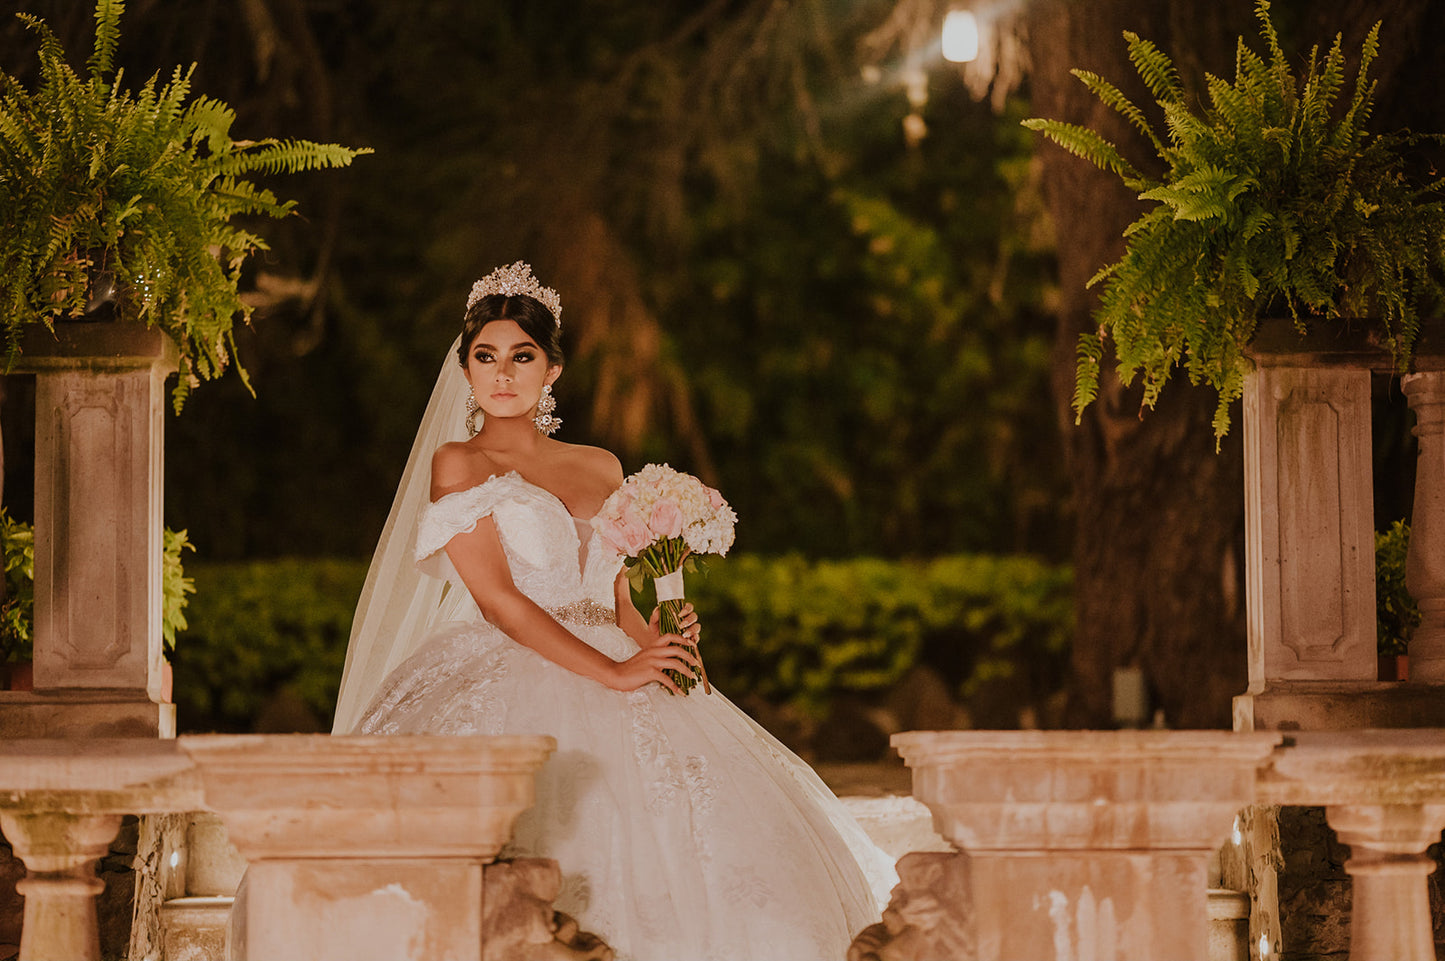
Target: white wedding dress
x=684 y=831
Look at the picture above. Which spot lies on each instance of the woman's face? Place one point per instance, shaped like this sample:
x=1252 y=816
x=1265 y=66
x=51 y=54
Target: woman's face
x=507 y=370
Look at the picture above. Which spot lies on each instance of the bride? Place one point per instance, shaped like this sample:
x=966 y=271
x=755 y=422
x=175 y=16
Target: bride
x=682 y=828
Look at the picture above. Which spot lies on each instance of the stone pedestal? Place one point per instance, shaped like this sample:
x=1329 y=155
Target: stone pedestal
x=366 y=847
x=100 y=395
x=1425 y=565
x=1384 y=794
x=1309 y=531
x=1080 y=844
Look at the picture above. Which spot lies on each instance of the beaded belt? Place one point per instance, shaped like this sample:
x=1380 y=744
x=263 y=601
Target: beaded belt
x=587 y=613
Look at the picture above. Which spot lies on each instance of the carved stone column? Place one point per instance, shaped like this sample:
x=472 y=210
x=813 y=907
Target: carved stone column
x=99 y=404
x=1425 y=565
x=366 y=847
x=1384 y=794
x=1076 y=843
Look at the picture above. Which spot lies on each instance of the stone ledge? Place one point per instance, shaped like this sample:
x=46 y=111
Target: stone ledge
x=94 y=346
x=84 y=713
x=1341 y=706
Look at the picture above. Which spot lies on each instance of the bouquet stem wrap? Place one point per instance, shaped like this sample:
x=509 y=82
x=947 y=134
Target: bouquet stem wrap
x=662 y=561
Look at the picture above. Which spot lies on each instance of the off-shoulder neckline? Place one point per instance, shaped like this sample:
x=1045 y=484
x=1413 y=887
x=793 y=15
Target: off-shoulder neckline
x=518 y=476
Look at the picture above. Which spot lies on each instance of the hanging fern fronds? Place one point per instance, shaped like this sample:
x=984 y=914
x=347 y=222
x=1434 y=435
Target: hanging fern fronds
x=143 y=186
x=1273 y=199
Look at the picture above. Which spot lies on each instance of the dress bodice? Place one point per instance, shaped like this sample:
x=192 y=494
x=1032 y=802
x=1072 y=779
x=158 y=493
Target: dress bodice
x=555 y=559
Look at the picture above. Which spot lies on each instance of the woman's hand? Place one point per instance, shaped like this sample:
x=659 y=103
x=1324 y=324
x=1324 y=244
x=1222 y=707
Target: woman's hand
x=652 y=664
x=689 y=632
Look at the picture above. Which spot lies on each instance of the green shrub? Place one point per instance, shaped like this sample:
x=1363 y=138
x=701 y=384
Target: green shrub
x=800 y=632
x=258 y=628
x=1396 y=613
x=788 y=629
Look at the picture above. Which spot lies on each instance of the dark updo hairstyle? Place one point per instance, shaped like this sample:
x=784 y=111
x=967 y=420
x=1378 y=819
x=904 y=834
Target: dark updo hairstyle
x=526 y=312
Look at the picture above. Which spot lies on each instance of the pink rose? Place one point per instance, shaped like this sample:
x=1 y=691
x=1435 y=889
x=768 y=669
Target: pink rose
x=624 y=531
x=666 y=519
x=714 y=498
x=635 y=535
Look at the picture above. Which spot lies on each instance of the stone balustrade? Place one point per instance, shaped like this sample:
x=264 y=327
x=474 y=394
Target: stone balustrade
x=360 y=847
x=1067 y=844
x=1384 y=794
x=1076 y=844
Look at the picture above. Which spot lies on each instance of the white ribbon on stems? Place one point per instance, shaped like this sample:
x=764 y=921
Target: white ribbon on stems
x=669 y=586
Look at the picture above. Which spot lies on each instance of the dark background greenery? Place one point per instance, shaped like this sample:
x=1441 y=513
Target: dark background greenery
x=865 y=344
x=267 y=639
x=851 y=335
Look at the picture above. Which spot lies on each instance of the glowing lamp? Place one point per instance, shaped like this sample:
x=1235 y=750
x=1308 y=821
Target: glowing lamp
x=960 y=36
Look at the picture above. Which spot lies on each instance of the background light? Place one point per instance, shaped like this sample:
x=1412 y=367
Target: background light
x=960 y=36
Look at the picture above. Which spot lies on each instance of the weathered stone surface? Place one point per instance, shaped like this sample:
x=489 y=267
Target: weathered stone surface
x=1086 y=843
x=366 y=847
x=194 y=929
x=213 y=866
x=315 y=795
x=930 y=914
x=1384 y=794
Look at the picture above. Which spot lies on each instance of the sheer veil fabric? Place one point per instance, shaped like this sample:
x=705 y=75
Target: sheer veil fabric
x=399 y=605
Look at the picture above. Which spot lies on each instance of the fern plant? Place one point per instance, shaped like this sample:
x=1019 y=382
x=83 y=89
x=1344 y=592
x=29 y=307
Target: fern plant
x=132 y=197
x=1275 y=198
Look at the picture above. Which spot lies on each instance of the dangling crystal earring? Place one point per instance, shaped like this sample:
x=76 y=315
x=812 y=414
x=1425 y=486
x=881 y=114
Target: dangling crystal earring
x=472 y=408
x=544 y=420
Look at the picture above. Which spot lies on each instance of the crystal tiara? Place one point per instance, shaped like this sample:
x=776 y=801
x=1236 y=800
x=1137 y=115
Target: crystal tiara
x=512 y=281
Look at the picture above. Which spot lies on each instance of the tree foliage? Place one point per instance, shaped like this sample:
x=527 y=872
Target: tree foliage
x=1276 y=197
x=735 y=224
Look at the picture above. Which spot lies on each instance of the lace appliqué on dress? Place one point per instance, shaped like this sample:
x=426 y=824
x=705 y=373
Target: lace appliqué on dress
x=459 y=677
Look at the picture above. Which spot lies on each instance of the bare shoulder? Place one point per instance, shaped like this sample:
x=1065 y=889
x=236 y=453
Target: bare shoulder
x=595 y=462
x=457 y=466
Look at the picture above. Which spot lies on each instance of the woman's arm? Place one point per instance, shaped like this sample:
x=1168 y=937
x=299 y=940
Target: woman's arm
x=482 y=564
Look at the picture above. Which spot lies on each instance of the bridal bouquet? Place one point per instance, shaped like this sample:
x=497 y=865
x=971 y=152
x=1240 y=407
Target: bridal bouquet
x=659 y=519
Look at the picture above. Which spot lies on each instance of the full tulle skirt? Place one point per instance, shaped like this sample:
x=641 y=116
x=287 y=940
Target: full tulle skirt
x=682 y=828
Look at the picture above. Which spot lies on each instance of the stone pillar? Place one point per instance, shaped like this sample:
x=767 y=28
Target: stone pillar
x=366 y=847
x=1076 y=843
x=100 y=396
x=1384 y=794
x=1309 y=525
x=1425 y=564
x=60 y=851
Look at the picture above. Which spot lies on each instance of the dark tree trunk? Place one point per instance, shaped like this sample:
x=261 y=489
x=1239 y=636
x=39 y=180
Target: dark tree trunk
x=1158 y=553
x=1160 y=516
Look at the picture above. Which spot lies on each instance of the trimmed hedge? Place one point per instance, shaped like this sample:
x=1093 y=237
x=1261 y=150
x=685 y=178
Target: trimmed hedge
x=789 y=629
x=260 y=630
